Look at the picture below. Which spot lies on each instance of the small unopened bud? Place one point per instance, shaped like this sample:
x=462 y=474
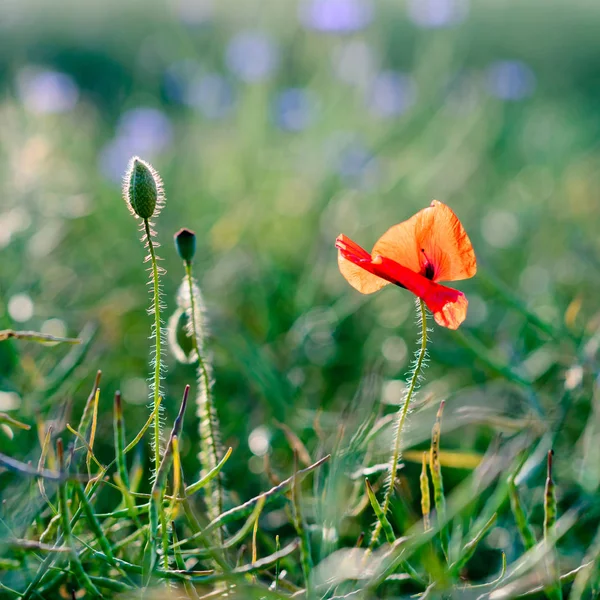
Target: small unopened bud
x=142 y=188
x=185 y=242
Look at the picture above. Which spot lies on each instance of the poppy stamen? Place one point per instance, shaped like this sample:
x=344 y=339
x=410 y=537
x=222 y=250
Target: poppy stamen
x=429 y=268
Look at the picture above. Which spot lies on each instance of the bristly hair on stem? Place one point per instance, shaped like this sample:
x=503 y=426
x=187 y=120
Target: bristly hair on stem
x=143 y=194
x=191 y=305
x=414 y=379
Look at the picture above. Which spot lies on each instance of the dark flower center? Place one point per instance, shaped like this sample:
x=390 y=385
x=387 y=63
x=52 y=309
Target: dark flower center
x=429 y=268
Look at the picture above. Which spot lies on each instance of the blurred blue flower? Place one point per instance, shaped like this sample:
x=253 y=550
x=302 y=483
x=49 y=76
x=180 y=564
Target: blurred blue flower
x=434 y=14
x=45 y=92
x=211 y=94
x=510 y=80
x=353 y=161
x=143 y=131
x=336 y=16
x=294 y=109
x=252 y=56
x=391 y=94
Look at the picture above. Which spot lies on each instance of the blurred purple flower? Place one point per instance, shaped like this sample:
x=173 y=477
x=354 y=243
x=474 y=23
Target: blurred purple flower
x=510 y=80
x=391 y=94
x=211 y=94
x=149 y=129
x=336 y=16
x=45 y=92
x=294 y=109
x=434 y=14
x=252 y=56
x=144 y=131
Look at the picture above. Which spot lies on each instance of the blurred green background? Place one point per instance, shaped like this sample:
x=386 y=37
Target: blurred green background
x=277 y=125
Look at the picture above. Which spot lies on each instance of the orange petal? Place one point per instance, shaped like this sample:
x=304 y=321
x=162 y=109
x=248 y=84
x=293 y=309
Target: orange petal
x=399 y=243
x=433 y=235
x=359 y=278
x=444 y=242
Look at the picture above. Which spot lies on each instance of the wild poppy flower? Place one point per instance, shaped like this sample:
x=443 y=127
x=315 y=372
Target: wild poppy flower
x=430 y=247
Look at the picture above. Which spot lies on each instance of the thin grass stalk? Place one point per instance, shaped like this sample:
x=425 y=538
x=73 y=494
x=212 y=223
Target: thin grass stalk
x=525 y=530
x=94 y=425
x=554 y=590
x=119 y=437
x=277 y=549
x=413 y=384
x=435 y=467
x=299 y=525
x=86 y=416
x=425 y=496
x=41 y=464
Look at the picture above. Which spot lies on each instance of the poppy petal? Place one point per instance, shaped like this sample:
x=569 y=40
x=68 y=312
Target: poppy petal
x=443 y=242
x=355 y=265
x=434 y=237
x=449 y=306
x=399 y=243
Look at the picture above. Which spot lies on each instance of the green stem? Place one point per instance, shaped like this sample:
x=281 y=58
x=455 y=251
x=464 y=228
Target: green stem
x=157 y=342
x=208 y=435
x=414 y=380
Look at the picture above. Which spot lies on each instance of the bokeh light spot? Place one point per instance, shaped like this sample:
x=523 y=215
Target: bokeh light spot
x=20 y=308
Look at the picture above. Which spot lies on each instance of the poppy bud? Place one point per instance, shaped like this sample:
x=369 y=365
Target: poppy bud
x=142 y=188
x=185 y=242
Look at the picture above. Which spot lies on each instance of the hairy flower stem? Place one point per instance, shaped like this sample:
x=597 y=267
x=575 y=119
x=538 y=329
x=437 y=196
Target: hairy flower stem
x=412 y=386
x=208 y=434
x=157 y=342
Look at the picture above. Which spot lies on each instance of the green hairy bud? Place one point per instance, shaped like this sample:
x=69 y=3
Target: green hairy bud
x=142 y=188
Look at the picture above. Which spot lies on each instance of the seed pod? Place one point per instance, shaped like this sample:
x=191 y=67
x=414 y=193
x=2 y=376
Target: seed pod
x=142 y=188
x=185 y=242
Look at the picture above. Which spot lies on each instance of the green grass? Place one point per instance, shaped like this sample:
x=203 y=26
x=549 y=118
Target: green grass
x=305 y=369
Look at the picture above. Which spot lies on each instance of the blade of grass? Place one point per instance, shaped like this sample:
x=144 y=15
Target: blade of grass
x=470 y=547
x=194 y=487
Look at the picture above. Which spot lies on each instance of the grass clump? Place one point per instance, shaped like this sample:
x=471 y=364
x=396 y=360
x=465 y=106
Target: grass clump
x=110 y=526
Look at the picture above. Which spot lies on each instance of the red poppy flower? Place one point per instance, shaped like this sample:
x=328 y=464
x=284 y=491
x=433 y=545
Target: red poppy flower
x=431 y=246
